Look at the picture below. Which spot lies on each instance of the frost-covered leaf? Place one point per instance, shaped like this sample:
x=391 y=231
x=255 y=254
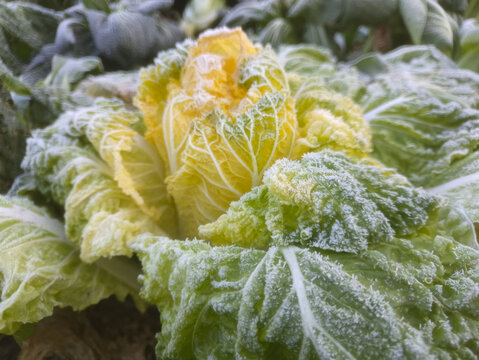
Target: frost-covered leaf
x=324 y=201
x=423 y=113
x=413 y=297
x=96 y=163
x=421 y=108
x=40 y=269
x=121 y=85
x=328 y=120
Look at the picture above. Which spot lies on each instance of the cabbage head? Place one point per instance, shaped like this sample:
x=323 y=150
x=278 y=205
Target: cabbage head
x=220 y=112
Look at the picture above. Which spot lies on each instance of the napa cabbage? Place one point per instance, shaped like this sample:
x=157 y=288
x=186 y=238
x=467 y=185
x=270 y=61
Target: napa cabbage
x=322 y=251
x=328 y=209
x=220 y=111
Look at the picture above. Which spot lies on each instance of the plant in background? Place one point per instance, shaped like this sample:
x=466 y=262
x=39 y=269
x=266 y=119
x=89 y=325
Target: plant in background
x=469 y=52
x=39 y=70
x=124 y=34
x=350 y=27
x=200 y=15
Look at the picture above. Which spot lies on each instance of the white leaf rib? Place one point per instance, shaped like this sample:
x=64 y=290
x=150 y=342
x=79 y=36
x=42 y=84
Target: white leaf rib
x=307 y=316
x=24 y=215
x=370 y=115
x=450 y=185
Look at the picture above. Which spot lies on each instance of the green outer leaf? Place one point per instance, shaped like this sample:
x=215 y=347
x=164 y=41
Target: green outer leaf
x=460 y=183
x=438 y=30
x=412 y=298
x=312 y=61
x=40 y=269
x=422 y=110
x=100 y=5
x=414 y=14
x=11 y=82
x=469 y=52
x=429 y=104
x=66 y=72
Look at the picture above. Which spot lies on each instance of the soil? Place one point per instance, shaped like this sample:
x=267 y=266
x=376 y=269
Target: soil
x=106 y=331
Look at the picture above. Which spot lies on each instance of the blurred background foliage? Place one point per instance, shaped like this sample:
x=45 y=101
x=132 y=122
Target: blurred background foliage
x=48 y=47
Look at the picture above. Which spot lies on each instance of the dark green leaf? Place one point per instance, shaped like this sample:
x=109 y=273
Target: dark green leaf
x=414 y=15
x=100 y=5
x=438 y=30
